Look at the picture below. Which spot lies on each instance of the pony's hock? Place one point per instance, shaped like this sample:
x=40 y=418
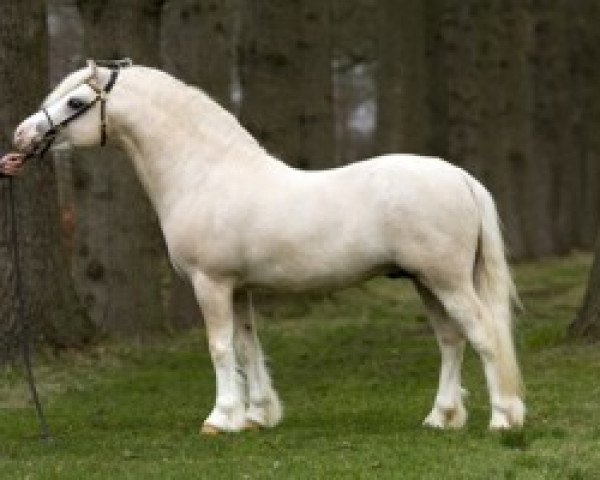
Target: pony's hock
x=233 y=216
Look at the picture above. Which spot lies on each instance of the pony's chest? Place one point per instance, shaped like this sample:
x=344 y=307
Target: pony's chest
x=195 y=240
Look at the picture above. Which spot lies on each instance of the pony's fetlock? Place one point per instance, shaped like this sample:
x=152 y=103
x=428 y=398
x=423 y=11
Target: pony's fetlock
x=447 y=416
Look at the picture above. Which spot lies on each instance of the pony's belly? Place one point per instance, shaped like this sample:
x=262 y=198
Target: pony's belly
x=282 y=277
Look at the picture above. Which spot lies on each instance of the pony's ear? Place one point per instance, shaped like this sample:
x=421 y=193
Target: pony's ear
x=92 y=66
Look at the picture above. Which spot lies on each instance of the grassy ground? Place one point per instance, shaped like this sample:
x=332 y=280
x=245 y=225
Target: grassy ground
x=357 y=371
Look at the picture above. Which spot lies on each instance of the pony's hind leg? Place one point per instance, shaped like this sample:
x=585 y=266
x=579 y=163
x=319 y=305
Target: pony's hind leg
x=215 y=299
x=448 y=409
x=486 y=336
x=263 y=405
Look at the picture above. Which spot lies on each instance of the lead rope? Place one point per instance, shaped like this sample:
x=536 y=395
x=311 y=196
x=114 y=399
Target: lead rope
x=25 y=330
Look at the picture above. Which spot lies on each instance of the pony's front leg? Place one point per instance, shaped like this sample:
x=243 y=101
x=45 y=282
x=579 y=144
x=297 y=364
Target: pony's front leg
x=215 y=299
x=264 y=408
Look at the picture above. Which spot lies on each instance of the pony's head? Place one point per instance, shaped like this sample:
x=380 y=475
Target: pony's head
x=73 y=113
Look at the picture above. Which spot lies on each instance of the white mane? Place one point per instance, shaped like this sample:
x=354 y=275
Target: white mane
x=189 y=105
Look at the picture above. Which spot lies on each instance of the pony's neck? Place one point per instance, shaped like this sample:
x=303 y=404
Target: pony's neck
x=175 y=136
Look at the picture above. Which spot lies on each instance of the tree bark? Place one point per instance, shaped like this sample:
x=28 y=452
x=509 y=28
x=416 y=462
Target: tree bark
x=485 y=102
x=65 y=54
x=403 y=79
x=120 y=261
x=587 y=321
x=552 y=120
x=584 y=62
x=354 y=59
x=499 y=36
x=285 y=72
x=198 y=44
x=52 y=309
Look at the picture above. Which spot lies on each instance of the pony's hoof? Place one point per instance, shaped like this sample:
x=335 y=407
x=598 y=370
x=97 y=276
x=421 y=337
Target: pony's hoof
x=499 y=424
x=511 y=415
x=209 y=430
x=252 y=426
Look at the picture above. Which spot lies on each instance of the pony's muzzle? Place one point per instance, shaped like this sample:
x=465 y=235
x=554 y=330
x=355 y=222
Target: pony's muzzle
x=27 y=136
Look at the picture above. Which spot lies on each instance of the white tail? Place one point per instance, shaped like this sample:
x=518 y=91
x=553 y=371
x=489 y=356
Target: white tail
x=495 y=287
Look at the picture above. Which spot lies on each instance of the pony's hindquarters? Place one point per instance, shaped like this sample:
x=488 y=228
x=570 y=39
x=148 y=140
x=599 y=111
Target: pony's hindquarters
x=468 y=276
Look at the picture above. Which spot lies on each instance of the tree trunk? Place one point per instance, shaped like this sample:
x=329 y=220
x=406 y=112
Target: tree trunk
x=51 y=305
x=120 y=263
x=552 y=123
x=285 y=71
x=403 y=81
x=499 y=35
x=584 y=61
x=484 y=78
x=354 y=60
x=587 y=322
x=65 y=54
x=198 y=44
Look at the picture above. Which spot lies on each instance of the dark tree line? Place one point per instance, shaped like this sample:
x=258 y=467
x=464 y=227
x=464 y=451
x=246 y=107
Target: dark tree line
x=505 y=88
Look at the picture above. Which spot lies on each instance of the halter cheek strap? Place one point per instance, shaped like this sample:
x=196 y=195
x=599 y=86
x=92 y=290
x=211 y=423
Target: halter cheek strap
x=101 y=94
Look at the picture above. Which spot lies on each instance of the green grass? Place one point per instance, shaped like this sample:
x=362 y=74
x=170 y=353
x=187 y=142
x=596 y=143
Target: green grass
x=357 y=371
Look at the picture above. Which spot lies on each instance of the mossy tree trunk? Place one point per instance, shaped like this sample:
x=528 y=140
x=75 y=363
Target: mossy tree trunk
x=585 y=70
x=587 y=321
x=552 y=121
x=354 y=32
x=52 y=309
x=500 y=100
x=403 y=81
x=584 y=62
x=120 y=262
x=285 y=72
x=198 y=44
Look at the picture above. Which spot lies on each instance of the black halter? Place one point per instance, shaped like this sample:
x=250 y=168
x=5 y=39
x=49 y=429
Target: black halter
x=101 y=94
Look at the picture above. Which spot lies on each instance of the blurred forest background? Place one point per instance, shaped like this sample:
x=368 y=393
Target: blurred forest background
x=506 y=89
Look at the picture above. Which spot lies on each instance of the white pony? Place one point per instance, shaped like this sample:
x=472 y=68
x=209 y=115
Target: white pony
x=233 y=216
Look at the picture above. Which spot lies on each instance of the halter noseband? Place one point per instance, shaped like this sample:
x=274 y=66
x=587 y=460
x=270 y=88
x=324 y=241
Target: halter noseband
x=101 y=95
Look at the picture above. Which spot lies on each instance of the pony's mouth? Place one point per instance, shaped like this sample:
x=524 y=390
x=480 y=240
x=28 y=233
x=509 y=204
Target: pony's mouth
x=36 y=146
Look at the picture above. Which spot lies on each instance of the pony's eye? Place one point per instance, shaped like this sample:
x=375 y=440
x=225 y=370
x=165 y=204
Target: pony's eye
x=75 y=103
